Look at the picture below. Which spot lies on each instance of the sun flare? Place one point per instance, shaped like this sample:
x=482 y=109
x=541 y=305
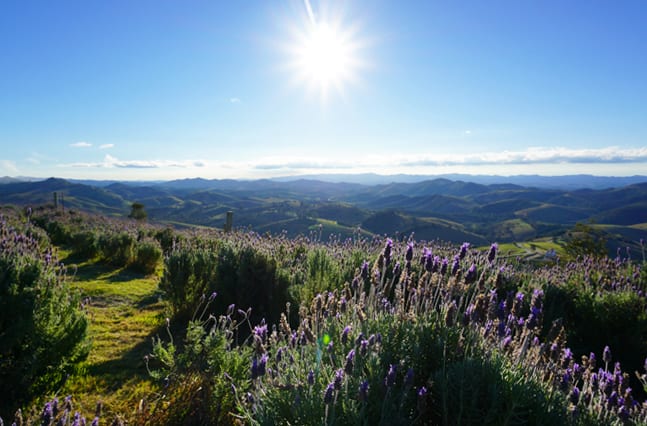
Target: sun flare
x=325 y=55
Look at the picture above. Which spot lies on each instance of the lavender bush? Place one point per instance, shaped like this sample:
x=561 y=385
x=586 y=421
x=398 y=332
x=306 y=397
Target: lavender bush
x=42 y=326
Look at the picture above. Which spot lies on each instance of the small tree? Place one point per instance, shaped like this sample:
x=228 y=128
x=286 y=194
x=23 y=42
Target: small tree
x=138 y=212
x=585 y=240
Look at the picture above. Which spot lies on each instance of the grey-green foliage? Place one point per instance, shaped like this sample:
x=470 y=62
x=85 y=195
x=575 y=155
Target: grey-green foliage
x=42 y=327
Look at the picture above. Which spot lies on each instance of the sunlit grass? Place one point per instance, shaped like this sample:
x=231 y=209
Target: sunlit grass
x=125 y=310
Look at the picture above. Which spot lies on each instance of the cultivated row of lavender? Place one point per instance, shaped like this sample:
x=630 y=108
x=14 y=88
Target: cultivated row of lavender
x=419 y=335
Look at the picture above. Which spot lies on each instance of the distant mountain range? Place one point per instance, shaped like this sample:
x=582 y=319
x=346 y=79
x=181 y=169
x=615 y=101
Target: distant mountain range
x=440 y=208
x=536 y=181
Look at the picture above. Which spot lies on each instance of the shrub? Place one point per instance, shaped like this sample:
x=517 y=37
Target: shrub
x=148 y=255
x=43 y=330
x=85 y=244
x=118 y=248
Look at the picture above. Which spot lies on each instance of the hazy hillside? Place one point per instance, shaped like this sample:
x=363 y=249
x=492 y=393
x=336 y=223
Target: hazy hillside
x=443 y=209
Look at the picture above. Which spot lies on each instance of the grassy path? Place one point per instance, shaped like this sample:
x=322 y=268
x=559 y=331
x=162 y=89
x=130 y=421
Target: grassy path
x=125 y=311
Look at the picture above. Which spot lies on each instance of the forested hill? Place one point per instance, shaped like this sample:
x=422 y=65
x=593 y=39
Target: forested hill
x=445 y=209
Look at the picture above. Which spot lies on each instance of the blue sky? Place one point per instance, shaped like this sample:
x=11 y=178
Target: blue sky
x=238 y=89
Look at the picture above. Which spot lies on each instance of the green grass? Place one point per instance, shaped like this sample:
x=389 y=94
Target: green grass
x=533 y=250
x=125 y=312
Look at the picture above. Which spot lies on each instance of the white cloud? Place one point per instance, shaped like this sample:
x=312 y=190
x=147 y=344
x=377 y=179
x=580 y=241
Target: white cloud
x=81 y=144
x=111 y=162
x=107 y=146
x=235 y=100
x=8 y=166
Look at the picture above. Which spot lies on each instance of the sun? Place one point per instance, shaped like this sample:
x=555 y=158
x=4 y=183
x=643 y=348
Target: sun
x=325 y=55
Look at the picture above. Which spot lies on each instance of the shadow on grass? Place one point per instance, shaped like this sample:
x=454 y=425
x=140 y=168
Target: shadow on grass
x=130 y=365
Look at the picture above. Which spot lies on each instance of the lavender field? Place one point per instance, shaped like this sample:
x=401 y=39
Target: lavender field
x=263 y=329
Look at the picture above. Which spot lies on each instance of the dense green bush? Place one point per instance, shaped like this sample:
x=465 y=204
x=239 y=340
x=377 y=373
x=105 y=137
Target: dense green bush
x=85 y=244
x=148 y=255
x=118 y=249
x=42 y=327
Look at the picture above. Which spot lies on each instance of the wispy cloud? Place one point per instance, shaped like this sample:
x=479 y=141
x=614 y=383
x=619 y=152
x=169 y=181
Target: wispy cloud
x=107 y=146
x=530 y=156
x=81 y=144
x=8 y=166
x=109 y=162
x=235 y=100
x=539 y=155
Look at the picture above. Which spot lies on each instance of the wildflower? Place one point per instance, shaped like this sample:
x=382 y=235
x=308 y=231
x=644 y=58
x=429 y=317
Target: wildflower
x=575 y=395
x=344 y=334
x=592 y=361
x=363 y=391
x=387 y=250
x=254 y=368
x=48 y=413
x=363 y=347
x=408 y=378
x=279 y=355
x=606 y=355
x=422 y=399
x=396 y=269
x=328 y=394
x=492 y=253
x=339 y=377
x=470 y=277
x=311 y=377
x=463 y=250
x=348 y=368
x=213 y=296
x=409 y=254
x=262 y=364
x=443 y=266
x=330 y=347
x=455 y=265
x=364 y=272
x=389 y=380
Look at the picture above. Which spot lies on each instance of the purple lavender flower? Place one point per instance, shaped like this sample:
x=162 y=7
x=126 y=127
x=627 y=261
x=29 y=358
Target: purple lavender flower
x=408 y=378
x=339 y=377
x=359 y=338
x=363 y=347
x=389 y=380
x=328 y=394
x=371 y=340
x=279 y=355
x=48 y=413
x=330 y=347
x=348 y=368
x=311 y=377
x=463 y=250
x=492 y=253
x=364 y=272
x=387 y=250
x=422 y=399
x=363 y=391
x=409 y=254
x=470 y=277
x=396 y=269
x=606 y=355
x=262 y=365
x=443 y=266
x=254 y=368
x=455 y=265
x=344 y=334
x=574 y=397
